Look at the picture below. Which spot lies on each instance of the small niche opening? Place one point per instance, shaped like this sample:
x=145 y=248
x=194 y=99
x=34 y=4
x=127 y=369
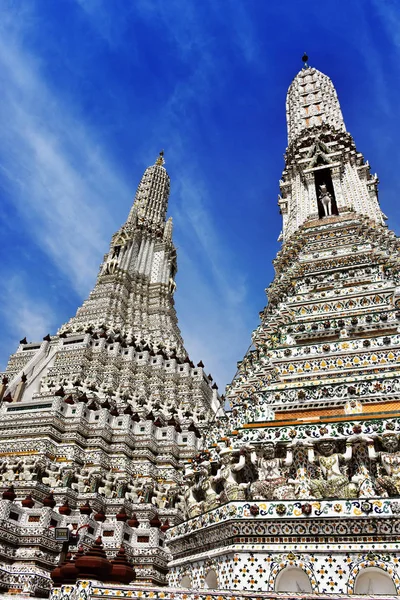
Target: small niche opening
x=324 y=177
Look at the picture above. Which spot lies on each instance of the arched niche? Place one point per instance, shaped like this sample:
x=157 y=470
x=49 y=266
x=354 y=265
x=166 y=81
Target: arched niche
x=293 y=579
x=374 y=581
x=211 y=580
x=185 y=582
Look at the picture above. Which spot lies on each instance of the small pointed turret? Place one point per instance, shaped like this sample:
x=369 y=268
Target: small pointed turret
x=151 y=199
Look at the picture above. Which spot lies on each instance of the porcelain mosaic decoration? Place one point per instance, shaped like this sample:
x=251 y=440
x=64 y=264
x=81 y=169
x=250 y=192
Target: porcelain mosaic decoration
x=108 y=428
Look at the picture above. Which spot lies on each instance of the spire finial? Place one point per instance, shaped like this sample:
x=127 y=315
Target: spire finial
x=160 y=159
x=305 y=60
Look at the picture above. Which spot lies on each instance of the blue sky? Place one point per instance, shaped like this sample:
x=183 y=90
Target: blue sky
x=93 y=89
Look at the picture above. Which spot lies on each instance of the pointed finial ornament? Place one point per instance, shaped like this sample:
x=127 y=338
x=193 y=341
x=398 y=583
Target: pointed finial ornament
x=305 y=60
x=160 y=159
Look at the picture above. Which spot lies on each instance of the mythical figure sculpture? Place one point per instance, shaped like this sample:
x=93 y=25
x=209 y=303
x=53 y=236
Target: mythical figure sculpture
x=387 y=484
x=108 y=487
x=175 y=498
x=334 y=482
x=121 y=485
x=228 y=475
x=31 y=469
x=207 y=484
x=82 y=486
x=95 y=480
x=159 y=498
x=192 y=505
x=272 y=483
x=326 y=200
x=362 y=476
x=134 y=492
x=12 y=469
x=110 y=266
x=52 y=476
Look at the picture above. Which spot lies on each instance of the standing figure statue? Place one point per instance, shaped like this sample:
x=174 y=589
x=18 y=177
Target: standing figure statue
x=334 y=482
x=228 y=473
x=388 y=480
x=361 y=466
x=272 y=484
x=326 y=200
x=207 y=484
x=192 y=505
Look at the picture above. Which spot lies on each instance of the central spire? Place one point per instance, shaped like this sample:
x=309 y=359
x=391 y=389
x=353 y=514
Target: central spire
x=312 y=101
x=151 y=199
x=324 y=175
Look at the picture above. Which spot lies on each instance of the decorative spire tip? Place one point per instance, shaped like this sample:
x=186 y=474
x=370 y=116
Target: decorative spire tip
x=305 y=60
x=160 y=159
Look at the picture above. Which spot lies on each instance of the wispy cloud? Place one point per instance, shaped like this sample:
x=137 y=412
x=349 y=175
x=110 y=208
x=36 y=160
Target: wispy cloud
x=60 y=177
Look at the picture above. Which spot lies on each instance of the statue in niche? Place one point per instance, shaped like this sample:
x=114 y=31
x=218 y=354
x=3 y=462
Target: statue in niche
x=116 y=251
x=111 y=264
x=68 y=477
x=175 y=499
x=228 y=475
x=171 y=285
x=388 y=480
x=121 y=485
x=326 y=200
x=334 y=482
x=147 y=492
x=272 y=483
x=301 y=477
x=95 y=481
x=364 y=482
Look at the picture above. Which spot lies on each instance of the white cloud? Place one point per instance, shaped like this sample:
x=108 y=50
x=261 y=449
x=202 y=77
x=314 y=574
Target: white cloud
x=61 y=179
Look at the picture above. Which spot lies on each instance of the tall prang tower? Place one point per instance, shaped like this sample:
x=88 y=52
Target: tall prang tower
x=134 y=290
x=97 y=421
x=302 y=477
